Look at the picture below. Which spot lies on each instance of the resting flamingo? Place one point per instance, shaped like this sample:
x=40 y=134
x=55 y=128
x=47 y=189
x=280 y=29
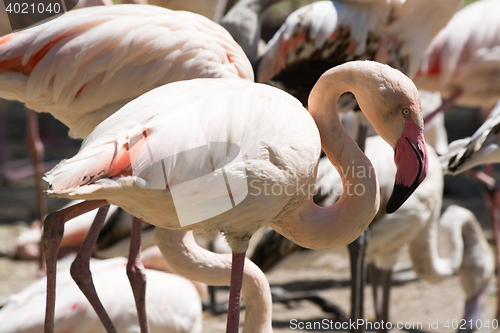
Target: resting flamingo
x=463 y=61
x=272 y=139
x=174 y=303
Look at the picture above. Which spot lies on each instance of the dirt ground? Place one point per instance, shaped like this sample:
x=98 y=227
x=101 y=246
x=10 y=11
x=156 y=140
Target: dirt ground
x=412 y=303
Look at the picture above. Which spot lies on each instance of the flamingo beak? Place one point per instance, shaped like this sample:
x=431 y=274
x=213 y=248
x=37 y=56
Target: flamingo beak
x=412 y=164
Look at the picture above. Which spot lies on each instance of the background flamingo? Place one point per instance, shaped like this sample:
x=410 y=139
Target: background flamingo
x=462 y=62
x=174 y=303
x=327 y=33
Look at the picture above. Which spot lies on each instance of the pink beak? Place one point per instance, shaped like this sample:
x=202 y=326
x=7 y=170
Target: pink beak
x=412 y=164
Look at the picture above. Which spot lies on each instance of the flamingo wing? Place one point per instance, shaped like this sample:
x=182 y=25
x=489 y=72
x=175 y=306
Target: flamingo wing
x=481 y=148
x=465 y=54
x=313 y=39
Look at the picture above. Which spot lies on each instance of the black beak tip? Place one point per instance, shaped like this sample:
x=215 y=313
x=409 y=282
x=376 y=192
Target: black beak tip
x=398 y=197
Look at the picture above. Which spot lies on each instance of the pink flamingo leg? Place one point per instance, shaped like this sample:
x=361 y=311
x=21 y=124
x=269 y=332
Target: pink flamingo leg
x=80 y=269
x=447 y=103
x=492 y=198
x=53 y=231
x=36 y=150
x=233 y=313
x=136 y=275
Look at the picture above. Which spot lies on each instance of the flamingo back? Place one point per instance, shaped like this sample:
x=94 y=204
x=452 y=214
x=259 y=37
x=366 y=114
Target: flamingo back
x=88 y=63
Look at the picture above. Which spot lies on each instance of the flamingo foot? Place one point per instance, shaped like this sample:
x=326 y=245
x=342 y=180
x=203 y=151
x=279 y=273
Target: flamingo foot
x=357 y=254
x=136 y=274
x=233 y=315
x=51 y=239
x=80 y=269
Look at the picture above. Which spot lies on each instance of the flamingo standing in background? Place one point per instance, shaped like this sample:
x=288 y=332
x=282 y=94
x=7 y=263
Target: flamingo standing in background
x=463 y=61
x=82 y=68
x=33 y=142
x=275 y=148
x=327 y=33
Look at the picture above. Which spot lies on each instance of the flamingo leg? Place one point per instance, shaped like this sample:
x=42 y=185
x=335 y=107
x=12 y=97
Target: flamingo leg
x=357 y=254
x=53 y=231
x=445 y=105
x=386 y=281
x=136 y=274
x=233 y=313
x=373 y=274
x=80 y=269
x=493 y=199
x=36 y=150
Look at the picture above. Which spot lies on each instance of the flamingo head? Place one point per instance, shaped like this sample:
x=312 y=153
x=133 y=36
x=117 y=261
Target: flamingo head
x=391 y=103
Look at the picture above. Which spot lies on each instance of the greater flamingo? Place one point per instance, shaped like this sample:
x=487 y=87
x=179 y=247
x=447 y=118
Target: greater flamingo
x=278 y=148
x=327 y=33
x=463 y=61
x=174 y=303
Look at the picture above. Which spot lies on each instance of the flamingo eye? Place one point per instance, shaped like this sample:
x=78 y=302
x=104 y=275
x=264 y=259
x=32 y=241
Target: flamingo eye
x=406 y=112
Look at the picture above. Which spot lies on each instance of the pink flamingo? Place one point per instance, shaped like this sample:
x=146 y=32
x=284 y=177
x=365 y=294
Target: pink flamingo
x=174 y=302
x=327 y=33
x=279 y=148
x=463 y=60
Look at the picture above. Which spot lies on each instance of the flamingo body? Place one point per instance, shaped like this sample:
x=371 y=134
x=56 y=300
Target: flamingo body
x=465 y=55
x=328 y=33
x=173 y=303
x=88 y=63
x=230 y=102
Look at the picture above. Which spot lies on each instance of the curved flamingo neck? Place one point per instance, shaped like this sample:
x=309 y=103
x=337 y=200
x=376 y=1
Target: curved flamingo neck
x=317 y=227
x=191 y=261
